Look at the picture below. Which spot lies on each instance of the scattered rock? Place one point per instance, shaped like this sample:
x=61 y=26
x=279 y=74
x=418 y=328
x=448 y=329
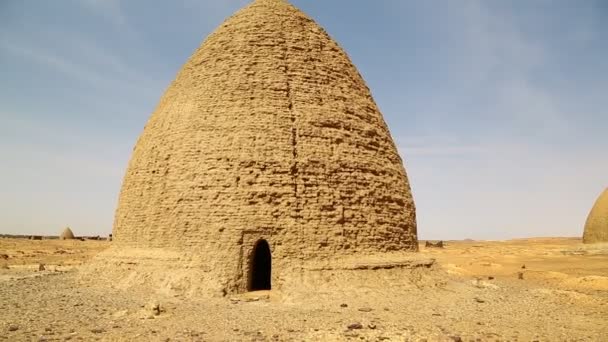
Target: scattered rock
x=479 y=300
x=523 y=266
x=41 y=267
x=371 y=326
x=13 y=327
x=456 y=338
x=365 y=309
x=343 y=305
x=4 y=256
x=97 y=330
x=155 y=308
x=351 y=334
x=520 y=275
x=354 y=326
x=480 y=284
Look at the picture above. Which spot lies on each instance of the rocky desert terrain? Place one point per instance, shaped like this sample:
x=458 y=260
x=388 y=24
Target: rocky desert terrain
x=550 y=289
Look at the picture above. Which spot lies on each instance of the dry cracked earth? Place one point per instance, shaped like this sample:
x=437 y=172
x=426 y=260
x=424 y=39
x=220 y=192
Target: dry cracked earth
x=519 y=290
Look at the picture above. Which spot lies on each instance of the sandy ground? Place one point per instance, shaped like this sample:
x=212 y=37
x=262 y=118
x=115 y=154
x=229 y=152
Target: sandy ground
x=518 y=290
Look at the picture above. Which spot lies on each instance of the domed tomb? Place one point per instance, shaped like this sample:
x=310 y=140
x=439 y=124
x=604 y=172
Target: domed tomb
x=596 y=226
x=268 y=136
x=67 y=234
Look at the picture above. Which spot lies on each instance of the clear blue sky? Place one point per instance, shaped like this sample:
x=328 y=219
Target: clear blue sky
x=499 y=108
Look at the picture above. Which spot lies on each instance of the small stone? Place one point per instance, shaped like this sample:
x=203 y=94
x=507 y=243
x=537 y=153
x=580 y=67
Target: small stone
x=490 y=278
x=97 y=331
x=13 y=327
x=155 y=308
x=41 y=267
x=520 y=275
x=354 y=326
x=371 y=326
x=343 y=305
x=365 y=309
x=523 y=266
x=456 y=338
x=479 y=300
x=47 y=329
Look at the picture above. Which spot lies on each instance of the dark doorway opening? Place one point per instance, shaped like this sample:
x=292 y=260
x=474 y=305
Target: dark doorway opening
x=260 y=267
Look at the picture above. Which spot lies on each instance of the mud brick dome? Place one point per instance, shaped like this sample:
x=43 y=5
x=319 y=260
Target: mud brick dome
x=268 y=133
x=66 y=234
x=596 y=227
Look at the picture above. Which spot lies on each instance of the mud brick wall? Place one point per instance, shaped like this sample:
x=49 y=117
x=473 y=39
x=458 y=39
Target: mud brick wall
x=268 y=131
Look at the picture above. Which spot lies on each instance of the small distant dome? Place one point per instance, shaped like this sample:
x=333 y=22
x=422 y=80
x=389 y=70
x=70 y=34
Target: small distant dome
x=596 y=227
x=67 y=234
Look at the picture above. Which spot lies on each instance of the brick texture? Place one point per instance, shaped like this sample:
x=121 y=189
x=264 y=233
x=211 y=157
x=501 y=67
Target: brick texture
x=267 y=132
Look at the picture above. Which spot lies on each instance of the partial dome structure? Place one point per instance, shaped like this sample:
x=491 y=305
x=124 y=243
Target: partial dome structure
x=265 y=152
x=596 y=227
x=67 y=234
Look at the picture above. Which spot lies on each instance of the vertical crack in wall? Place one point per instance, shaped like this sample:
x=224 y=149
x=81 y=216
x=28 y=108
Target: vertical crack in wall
x=294 y=129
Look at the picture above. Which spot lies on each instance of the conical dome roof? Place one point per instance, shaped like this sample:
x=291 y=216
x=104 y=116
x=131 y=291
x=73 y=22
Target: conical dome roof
x=268 y=131
x=596 y=227
x=67 y=234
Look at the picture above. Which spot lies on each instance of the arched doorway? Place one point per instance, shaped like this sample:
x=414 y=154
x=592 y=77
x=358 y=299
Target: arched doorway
x=260 y=266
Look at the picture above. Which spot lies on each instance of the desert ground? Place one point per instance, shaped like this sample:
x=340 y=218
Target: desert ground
x=546 y=289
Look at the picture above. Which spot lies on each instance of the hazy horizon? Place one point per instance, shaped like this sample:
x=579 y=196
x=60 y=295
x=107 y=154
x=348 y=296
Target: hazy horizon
x=498 y=108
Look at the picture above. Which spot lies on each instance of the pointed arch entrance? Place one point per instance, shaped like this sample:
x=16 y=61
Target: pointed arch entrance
x=260 y=267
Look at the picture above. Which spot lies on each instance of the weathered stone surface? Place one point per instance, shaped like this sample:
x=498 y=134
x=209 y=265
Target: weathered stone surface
x=596 y=227
x=267 y=132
